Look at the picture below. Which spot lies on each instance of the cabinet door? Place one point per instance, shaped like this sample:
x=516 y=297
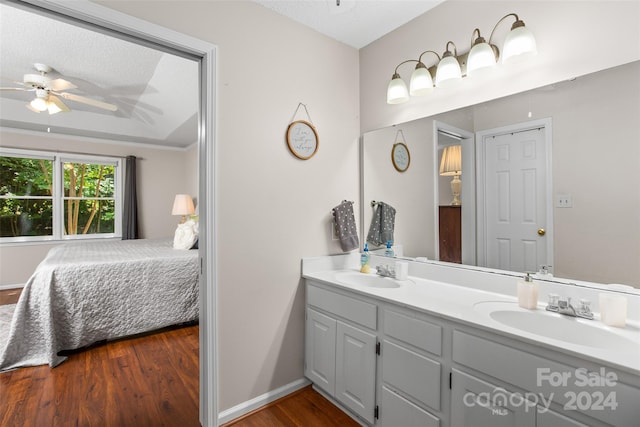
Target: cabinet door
x=476 y=403
x=320 y=350
x=356 y=370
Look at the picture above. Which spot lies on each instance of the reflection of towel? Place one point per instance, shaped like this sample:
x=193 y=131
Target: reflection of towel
x=382 y=224
x=346 y=226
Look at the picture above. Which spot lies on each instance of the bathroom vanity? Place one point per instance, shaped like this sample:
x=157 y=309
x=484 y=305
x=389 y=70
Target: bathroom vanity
x=451 y=347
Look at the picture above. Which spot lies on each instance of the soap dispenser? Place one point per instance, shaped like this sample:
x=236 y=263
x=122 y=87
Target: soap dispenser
x=389 y=251
x=364 y=260
x=528 y=293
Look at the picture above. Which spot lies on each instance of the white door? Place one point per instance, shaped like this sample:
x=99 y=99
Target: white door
x=514 y=202
x=320 y=350
x=356 y=370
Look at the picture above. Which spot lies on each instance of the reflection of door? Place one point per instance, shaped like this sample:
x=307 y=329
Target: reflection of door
x=514 y=204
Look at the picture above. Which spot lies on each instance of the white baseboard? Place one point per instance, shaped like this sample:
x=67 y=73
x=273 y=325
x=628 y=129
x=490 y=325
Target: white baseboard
x=15 y=286
x=257 y=402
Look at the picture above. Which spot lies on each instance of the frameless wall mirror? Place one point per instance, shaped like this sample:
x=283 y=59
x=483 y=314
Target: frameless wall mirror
x=586 y=131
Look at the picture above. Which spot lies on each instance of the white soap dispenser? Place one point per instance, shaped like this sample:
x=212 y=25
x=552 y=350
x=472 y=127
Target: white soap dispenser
x=528 y=293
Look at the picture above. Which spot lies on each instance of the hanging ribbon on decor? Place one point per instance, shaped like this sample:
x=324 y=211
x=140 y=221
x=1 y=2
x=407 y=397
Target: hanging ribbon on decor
x=400 y=156
x=302 y=138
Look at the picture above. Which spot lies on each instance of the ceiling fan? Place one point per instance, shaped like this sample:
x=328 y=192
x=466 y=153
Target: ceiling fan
x=48 y=92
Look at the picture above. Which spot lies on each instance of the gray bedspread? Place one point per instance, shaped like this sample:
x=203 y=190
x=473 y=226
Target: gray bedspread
x=86 y=292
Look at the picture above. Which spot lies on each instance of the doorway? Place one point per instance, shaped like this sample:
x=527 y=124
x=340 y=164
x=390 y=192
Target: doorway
x=102 y=19
x=515 y=221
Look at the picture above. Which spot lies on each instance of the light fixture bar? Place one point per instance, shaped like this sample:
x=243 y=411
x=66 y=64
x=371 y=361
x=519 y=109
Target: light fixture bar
x=481 y=58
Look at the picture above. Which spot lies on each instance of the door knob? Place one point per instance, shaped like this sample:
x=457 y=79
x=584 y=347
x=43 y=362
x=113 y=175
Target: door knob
x=541 y=232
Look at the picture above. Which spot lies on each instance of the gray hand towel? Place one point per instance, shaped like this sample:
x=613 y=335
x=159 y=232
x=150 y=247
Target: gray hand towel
x=382 y=224
x=345 y=223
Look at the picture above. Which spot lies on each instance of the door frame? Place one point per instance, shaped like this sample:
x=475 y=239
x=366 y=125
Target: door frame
x=545 y=123
x=467 y=195
x=97 y=17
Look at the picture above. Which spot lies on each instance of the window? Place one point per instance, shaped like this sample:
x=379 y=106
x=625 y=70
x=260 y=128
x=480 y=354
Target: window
x=54 y=197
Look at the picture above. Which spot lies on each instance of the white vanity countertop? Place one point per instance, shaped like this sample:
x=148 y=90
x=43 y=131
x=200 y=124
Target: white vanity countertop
x=456 y=302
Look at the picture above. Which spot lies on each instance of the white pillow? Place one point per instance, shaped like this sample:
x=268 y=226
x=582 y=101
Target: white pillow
x=186 y=235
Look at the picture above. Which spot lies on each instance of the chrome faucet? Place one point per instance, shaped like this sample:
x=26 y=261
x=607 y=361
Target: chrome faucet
x=385 y=271
x=563 y=306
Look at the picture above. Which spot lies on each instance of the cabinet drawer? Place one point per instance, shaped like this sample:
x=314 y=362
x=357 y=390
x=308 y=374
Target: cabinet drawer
x=538 y=375
x=417 y=332
x=396 y=411
x=481 y=404
x=412 y=374
x=360 y=312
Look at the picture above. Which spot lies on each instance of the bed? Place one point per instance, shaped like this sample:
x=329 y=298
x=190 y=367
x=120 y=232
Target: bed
x=87 y=292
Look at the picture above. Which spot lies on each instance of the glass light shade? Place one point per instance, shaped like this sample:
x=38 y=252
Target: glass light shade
x=397 y=92
x=39 y=104
x=448 y=72
x=53 y=108
x=480 y=56
x=183 y=205
x=421 y=81
x=518 y=44
x=451 y=162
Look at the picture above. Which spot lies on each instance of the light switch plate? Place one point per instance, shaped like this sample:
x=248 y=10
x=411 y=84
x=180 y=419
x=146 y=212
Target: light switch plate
x=564 y=201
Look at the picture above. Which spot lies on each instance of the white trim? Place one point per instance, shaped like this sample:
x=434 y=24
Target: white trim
x=260 y=401
x=91 y=140
x=14 y=286
x=95 y=14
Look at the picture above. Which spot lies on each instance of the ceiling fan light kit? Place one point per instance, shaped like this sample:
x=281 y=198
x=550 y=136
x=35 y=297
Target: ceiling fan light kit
x=48 y=92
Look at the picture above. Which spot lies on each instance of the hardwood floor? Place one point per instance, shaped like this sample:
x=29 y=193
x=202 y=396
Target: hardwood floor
x=304 y=408
x=151 y=380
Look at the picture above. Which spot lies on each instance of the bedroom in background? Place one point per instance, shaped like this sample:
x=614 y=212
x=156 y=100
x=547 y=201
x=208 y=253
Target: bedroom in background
x=169 y=161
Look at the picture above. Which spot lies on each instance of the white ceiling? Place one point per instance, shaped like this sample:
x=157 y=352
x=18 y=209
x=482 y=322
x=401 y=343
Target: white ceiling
x=353 y=22
x=156 y=92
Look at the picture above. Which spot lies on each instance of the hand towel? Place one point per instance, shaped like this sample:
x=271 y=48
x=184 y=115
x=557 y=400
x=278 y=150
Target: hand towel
x=345 y=223
x=382 y=224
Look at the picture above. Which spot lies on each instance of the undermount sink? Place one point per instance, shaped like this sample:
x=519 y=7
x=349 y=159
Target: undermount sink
x=590 y=333
x=367 y=280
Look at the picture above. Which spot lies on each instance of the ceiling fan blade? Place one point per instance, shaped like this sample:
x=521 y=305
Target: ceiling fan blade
x=60 y=85
x=23 y=89
x=89 y=101
x=57 y=102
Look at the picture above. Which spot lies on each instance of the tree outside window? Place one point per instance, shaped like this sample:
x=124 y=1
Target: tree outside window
x=54 y=198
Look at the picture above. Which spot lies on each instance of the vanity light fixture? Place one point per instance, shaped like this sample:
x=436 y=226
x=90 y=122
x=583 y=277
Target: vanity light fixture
x=452 y=67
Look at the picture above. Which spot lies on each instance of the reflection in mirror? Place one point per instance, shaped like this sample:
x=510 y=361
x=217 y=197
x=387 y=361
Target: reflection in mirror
x=593 y=172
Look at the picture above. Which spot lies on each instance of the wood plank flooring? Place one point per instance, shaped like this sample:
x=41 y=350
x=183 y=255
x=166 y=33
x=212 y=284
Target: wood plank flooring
x=150 y=380
x=304 y=408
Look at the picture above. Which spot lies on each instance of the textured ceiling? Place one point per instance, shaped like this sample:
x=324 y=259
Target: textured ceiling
x=156 y=93
x=353 y=22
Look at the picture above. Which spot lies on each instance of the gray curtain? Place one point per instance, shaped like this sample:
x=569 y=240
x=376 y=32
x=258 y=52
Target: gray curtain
x=130 y=211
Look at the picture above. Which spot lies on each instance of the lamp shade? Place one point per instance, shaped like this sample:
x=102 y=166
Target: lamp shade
x=451 y=163
x=519 y=43
x=397 y=92
x=448 y=71
x=421 y=81
x=183 y=205
x=481 y=56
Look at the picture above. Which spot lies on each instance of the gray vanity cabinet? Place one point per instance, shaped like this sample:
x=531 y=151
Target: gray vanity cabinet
x=411 y=370
x=340 y=349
